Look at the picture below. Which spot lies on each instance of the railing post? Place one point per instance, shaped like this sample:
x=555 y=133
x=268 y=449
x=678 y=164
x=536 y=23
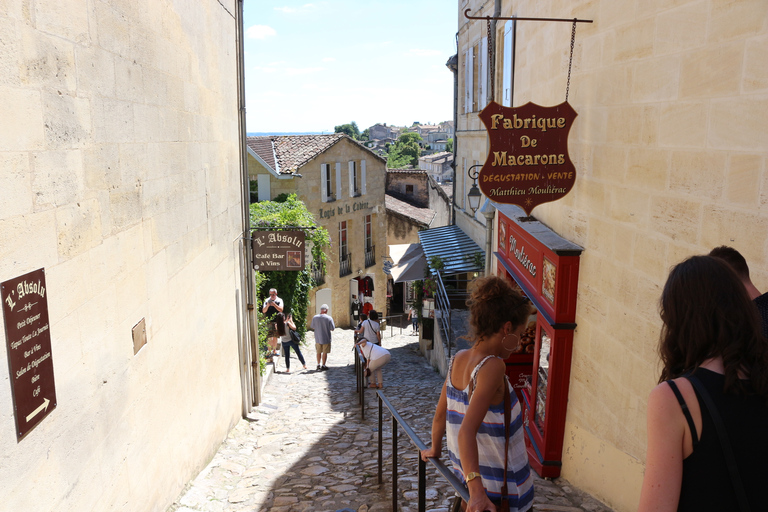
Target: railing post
x=362 y=391
x=381 y=438
x=422 y=484
x=394 y=463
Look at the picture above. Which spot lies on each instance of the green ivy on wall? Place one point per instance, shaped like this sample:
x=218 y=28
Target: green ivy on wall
x=292 y=286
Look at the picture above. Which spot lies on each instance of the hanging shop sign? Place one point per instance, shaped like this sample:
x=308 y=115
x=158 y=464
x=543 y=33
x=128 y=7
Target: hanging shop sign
x=278 y=250
x=528 y=162
x=28 y=339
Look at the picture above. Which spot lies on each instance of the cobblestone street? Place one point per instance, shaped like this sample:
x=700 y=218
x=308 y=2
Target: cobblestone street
x=306 y=448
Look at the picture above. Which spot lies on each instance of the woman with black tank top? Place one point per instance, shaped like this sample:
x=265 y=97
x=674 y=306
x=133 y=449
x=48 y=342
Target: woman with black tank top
x=711 y=338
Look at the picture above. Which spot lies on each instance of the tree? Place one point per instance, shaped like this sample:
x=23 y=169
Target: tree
x=350 y=129
x=449 y=146
x=405 y=151
x=366 y=135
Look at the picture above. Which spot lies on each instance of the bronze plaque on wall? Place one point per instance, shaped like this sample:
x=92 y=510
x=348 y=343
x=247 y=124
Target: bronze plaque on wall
x=28 y=340
x=278 y=250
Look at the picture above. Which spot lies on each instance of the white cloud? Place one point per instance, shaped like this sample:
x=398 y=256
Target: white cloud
x=287 y=10
x=260 y=32
x=424 y=53
x=329 y=59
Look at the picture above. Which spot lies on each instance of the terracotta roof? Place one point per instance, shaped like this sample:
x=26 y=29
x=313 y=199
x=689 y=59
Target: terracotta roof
x=406 y=171
x=422 y=216
x=448 y=189
x=262 y=146
x=287 y=153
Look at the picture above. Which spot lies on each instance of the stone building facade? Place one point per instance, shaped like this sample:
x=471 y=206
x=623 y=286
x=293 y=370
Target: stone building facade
x=670 y=148
x=120 y=177
x=342 y=184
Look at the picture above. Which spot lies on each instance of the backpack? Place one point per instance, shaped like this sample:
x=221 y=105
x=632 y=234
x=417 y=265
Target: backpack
x=294 y=336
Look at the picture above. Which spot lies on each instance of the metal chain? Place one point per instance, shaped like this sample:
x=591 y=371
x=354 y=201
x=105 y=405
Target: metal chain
x=491 y=61
x=570 y=60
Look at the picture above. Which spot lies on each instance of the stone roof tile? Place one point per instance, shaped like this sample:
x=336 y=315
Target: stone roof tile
x=423 y=216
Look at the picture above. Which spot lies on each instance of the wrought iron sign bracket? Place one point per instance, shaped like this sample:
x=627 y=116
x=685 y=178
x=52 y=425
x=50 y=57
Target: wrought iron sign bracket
x=517 y=18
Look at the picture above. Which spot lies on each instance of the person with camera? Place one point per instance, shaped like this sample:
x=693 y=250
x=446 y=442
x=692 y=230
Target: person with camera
x=272 y=306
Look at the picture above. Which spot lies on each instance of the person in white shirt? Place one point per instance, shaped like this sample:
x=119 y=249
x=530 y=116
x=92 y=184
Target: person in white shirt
x=376 y=357
x=272 y=306
x=370 y=329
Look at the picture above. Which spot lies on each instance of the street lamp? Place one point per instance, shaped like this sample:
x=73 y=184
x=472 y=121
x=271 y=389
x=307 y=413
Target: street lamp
x=474 y=194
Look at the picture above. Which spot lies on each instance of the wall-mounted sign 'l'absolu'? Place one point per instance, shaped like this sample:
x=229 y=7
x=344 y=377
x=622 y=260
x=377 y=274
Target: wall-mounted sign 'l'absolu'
x=528 y=162
x=28 y=339
x=278 y=250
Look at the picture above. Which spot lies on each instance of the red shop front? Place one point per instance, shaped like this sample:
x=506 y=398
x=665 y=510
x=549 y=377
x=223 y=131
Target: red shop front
x=545 y=267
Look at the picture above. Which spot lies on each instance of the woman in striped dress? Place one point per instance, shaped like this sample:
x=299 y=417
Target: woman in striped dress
x=471 y=407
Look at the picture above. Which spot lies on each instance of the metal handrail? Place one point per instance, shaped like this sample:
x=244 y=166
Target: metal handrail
x=443 y=305
x=460 y=489
x=360 y=378
x=391 y=327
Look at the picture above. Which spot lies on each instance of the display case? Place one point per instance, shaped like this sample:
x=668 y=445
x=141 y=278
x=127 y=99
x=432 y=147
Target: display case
x=545 y=267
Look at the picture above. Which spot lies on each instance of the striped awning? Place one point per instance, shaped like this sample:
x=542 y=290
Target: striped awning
x=459 y=253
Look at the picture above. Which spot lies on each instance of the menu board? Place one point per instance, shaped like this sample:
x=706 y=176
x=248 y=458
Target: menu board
x=28 y=340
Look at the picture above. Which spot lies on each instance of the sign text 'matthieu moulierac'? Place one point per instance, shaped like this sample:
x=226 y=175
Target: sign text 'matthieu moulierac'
x=528 y=162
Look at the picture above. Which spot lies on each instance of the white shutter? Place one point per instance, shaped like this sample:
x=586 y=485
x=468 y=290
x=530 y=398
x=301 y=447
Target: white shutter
x=468 y=81
x=324 y=182
x=483 y=77
x=471 y=80
x=338 y=180
x=265 y=193
x=362 y=177
x=509 y=57
x=351 y=178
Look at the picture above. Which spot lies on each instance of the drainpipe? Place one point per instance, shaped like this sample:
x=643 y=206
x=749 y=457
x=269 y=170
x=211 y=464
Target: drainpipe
x=489 y=212
x=249 y=345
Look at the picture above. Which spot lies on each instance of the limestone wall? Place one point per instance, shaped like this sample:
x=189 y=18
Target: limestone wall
x=119 y=176
x=670 y=148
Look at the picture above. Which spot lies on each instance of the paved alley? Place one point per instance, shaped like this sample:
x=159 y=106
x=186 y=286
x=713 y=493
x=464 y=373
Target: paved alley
x=306 y=448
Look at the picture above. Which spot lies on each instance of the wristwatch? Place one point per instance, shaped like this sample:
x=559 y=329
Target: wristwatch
x=471 y=476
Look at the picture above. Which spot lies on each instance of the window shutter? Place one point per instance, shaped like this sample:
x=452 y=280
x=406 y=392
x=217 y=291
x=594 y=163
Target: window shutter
x=483 y=77
x=338 y=180
x=509 y=58
x=468 y=81
x=362 y=177
x=351 y=178
x=471 y=79
x=324 y=182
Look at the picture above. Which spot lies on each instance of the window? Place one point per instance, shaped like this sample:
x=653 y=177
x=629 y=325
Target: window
x=326 y=183
x=482 y=93
x=409 y=190
x=368 y=233
x=363 y=189
x=508 y=62
x=354 y=181
x=263 y=184
x=469 y=66
x=343 y=248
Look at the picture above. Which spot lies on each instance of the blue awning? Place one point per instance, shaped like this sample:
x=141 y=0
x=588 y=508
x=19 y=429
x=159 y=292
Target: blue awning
x=458 y=252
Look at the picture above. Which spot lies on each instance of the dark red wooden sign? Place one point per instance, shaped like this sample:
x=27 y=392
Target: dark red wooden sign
x=28 y=339
x=278 y=250
x=528 y=162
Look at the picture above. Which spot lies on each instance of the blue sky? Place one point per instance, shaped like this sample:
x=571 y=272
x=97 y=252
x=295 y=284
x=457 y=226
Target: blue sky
x=313 y=65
